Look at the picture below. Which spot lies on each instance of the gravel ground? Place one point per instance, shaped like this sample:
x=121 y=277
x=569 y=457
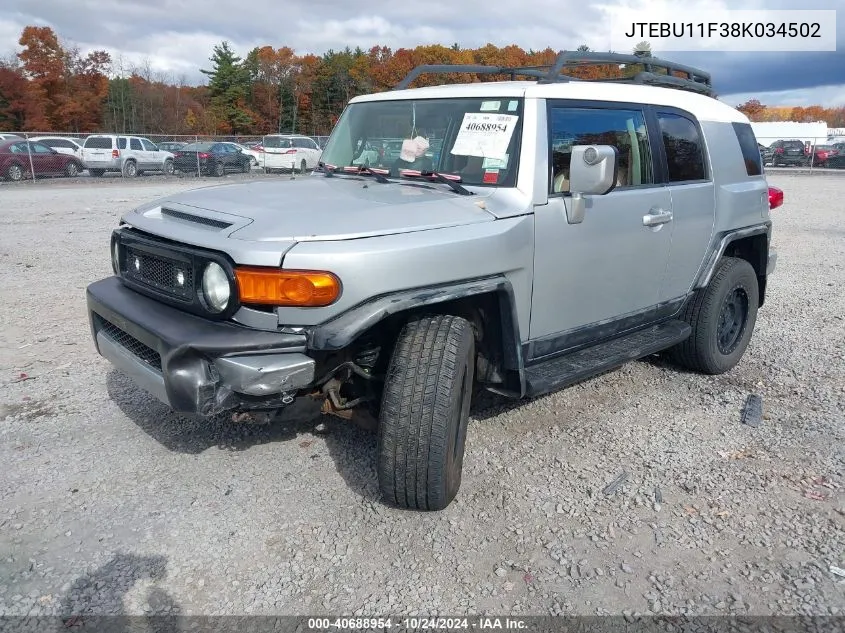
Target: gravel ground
x=111 y=504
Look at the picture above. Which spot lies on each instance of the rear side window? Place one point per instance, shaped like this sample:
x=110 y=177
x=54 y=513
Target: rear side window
x=121 y=142
x=750 y=151
x=684 y=149
x=135 y=144
x=98 y=142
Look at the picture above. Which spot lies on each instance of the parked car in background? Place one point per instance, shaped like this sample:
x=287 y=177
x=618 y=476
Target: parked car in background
x=62 y=144
x=791 y=152
x=247 y=151
x=836 y=161
x=19 y=158
x=821 y=154
x=171 y=146
x=766 y=153
x=128 y=155
x=286 y=152
x=7 y=136
x=214 y=159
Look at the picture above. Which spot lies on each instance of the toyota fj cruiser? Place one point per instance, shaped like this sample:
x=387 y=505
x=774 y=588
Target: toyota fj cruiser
x=558 y=229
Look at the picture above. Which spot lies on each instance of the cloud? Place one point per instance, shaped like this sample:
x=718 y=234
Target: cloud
x=176 y=37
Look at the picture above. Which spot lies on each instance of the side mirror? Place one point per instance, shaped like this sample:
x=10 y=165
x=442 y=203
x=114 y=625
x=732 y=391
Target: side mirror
x=592 y=171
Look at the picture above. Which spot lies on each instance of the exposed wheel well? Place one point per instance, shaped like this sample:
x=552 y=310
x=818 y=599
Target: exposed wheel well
x=755 y=250
x=492 y=319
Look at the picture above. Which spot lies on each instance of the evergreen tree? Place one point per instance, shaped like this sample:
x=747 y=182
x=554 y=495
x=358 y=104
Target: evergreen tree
x=229 y=83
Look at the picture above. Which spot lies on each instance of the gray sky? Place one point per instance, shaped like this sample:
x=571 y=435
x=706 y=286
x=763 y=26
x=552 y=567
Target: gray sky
x=176 y=37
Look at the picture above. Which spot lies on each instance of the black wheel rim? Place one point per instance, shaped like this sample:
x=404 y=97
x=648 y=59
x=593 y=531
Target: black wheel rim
x=732 y=320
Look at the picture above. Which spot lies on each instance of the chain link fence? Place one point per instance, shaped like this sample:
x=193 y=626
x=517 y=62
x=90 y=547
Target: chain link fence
x=50 y=155
x=58 y=154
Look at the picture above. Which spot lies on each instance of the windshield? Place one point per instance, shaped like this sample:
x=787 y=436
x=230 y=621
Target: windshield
x=476 y=139
x=197 y=147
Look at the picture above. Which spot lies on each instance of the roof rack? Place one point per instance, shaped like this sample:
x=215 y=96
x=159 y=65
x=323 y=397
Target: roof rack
x=693 y=79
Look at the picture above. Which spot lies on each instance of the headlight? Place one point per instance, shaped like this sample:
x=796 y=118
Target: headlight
x=215 y=287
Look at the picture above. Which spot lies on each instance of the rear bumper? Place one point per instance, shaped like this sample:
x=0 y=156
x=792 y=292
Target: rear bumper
x=192 y=364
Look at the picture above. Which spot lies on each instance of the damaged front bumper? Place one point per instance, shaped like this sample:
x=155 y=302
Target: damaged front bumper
x=192 y=364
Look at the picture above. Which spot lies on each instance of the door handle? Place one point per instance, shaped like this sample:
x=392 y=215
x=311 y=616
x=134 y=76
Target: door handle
x=657 y=218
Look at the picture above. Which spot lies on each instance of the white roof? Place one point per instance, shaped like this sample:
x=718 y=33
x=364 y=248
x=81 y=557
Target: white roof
x=703 y=107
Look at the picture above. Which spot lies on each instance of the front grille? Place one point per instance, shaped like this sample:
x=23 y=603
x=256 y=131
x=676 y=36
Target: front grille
x=129 y=342
x=164 y=274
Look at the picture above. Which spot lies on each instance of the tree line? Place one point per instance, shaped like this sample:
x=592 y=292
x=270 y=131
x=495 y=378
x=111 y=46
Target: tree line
x=52 y=86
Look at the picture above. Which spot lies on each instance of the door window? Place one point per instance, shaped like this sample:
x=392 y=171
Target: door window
x=623 y=129
x=149 y=146
x=135 y=144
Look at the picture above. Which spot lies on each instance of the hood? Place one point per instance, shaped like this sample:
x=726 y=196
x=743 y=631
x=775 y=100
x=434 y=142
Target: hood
x=315 y=208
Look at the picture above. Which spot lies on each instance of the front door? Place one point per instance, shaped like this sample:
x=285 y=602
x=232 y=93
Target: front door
x=602 y=276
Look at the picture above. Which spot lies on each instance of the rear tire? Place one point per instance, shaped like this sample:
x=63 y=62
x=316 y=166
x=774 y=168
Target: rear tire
x=424 y=412
x=303 y=166
x=15 y=172
x=246 y=166
x=219 y=169
x=722 y=317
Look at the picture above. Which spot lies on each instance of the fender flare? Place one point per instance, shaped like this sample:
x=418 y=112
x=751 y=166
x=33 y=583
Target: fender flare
x=706 y=274
x=343 y=329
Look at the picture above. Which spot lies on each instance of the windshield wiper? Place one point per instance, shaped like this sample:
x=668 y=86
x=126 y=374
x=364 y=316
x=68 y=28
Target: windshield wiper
x=452 y=181
x=364 y=169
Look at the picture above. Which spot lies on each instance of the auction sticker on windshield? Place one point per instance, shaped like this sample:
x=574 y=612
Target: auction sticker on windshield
x=485 y=135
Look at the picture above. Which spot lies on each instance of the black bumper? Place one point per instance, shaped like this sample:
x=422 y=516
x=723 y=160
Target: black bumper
x=170 y=352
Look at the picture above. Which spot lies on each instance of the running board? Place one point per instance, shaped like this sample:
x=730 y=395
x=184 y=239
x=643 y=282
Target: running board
x=561 y=371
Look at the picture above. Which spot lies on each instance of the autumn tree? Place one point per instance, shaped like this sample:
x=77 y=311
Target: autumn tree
x=66 y=89
x=14 y=99
x=228 y=85
x=753 y=109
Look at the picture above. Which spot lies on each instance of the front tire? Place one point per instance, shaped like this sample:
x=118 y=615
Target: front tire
x=424 y=412
x=168 y=168
x=722 y=317
x=72 y=170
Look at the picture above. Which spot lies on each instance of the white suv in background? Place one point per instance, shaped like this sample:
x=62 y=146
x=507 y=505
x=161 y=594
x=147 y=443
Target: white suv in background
x=62 y=144
x=129 y=155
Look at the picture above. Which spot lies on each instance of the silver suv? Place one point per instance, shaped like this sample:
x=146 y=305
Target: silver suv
x=529 y=235
x=129 y=155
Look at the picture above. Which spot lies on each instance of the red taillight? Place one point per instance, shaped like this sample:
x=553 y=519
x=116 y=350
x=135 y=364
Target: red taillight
x=778 y=150
x=203 y=155
x=257 y=148
x=177 y=154
x=775 y=197
x=115 y=153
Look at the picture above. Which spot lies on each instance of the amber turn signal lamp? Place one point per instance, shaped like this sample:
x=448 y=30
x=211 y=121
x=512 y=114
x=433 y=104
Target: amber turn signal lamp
x=273 y=286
